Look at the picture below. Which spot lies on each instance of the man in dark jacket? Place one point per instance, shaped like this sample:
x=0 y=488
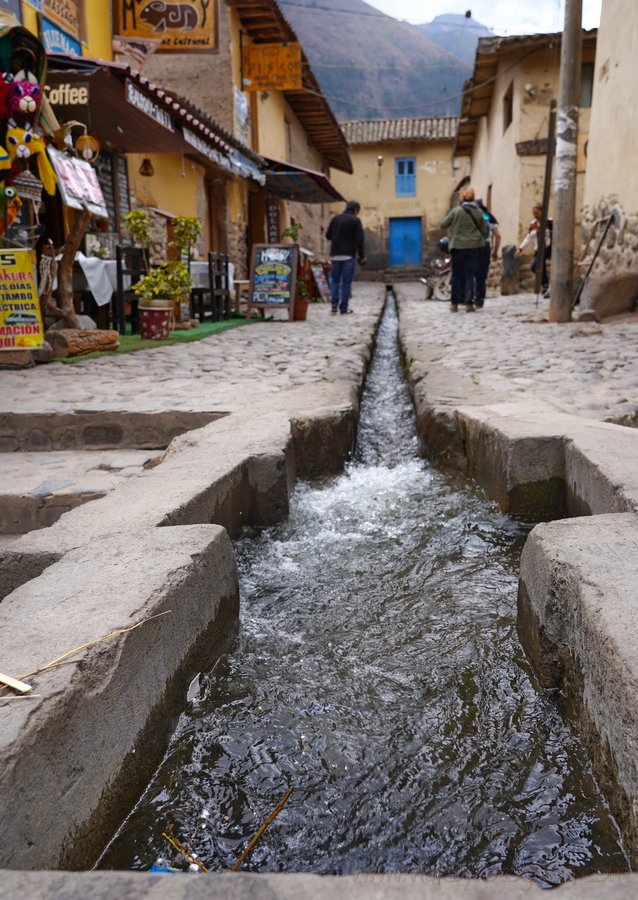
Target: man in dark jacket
x=345 y=233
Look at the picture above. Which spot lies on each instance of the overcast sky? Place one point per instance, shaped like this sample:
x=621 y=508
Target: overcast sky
x=502 y=16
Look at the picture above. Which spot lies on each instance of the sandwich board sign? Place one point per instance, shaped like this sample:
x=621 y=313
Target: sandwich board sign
x=273 y=277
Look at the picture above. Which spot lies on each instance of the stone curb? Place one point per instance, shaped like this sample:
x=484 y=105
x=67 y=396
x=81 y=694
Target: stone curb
x=541 y=465
x=73 y=755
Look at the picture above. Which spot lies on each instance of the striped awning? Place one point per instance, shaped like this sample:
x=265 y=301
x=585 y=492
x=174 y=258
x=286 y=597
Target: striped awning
x=300 y=184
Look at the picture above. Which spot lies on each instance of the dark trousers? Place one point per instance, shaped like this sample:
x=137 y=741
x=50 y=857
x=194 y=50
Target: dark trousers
x=544 y=279
x=341 y=275
x=464 y=266
x=481 y=274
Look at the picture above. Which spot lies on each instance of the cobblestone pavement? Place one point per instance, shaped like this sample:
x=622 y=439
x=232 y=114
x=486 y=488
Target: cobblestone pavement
x=583 y=368
x=225 y=371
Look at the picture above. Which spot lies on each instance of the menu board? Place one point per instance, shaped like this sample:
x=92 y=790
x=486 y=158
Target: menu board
x=319 y=275
x=78 y=183
x=273 y=277
x=20 y=318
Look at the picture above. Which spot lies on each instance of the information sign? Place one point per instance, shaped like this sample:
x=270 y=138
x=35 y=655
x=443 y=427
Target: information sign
x=271 y=67
x=321 y=281
x=20 y=317
x=273 y=277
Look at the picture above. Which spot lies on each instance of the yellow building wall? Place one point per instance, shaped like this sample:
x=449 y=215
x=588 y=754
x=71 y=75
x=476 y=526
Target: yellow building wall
x=271 y=125
x=612 y=173
x=174 y=186
x=372 y=184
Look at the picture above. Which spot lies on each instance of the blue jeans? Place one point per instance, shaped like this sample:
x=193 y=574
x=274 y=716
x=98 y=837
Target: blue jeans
x=341 y=275
x=464 y=266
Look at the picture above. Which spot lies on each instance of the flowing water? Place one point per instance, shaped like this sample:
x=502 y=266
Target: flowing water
x=378 y=673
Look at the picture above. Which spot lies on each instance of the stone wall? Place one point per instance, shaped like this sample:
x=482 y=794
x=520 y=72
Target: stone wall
x=612 y=287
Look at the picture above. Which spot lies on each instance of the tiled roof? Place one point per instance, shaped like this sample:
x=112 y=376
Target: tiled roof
x=378 y=131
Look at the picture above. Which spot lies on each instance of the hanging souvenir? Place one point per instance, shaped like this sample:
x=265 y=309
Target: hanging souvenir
x=22 y=144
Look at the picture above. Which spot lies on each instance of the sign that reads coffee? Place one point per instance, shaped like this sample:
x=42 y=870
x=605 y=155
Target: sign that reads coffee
x=186 y=26
x=67 y=94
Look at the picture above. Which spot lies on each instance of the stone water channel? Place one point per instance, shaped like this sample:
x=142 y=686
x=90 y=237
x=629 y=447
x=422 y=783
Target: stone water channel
x=379 y=674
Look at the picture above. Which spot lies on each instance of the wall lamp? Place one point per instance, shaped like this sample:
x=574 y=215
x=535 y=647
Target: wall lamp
x=146 y=167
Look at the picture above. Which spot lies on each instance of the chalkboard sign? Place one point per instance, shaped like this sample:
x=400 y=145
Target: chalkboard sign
x=319 y=275
x=273 y=277
x=103 y=166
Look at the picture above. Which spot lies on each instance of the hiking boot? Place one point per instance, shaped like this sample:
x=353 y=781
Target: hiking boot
x=454 y=307
x=469 y=307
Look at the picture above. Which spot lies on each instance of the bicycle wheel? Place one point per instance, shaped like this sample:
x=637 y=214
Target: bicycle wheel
x=442 y=287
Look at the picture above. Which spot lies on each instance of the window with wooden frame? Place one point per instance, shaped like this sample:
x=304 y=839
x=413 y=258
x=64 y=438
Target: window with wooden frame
x=405 y=176
x=508 y=107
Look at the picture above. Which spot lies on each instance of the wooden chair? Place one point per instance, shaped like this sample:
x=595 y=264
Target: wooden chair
x=213 y=299
x=130 y=264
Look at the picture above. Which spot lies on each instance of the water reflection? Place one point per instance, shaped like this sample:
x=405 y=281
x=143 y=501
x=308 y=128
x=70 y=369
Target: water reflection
x=378 y=672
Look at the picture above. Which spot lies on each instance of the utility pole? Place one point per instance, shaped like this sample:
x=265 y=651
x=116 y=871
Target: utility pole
x=562 y=283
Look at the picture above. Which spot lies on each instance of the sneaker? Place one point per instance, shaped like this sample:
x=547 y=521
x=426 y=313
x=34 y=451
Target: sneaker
x=469 y=307
x=333 y=311
x=478 y=306
x=345 y=312
x=454 y=307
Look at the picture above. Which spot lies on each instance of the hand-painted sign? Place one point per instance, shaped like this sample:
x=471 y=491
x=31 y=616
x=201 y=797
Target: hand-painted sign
x=20 y=317
x=12 y=6
x=321 y=281
x=65 y=13
x=273 y=276
x=271 y=67
x=187 y=26
x=56 y=40
x=78 y=183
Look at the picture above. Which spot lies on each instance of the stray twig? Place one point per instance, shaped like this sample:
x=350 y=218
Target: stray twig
x=62 y=660
x=262 y=828
x=185 y=851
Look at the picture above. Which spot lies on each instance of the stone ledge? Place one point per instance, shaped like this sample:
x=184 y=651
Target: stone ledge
x=245 y=886
x=578 y=595
x=66 y=781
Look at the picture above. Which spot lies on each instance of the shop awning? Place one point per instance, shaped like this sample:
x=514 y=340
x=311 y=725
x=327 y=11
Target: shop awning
x=129 y=113
x=300 y=184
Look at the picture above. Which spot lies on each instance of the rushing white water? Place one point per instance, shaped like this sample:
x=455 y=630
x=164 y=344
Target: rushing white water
x=378 y=673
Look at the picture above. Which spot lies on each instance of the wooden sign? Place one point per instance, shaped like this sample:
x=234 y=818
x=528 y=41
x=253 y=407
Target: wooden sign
x=273 y=277
x=185 y=26
x=271 y=67
x=321 y=281
x=65 y=14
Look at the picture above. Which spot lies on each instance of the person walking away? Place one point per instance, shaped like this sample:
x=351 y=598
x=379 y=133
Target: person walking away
x=345 y=233
x=532 y=238
x=489 y=252
x=468 y=231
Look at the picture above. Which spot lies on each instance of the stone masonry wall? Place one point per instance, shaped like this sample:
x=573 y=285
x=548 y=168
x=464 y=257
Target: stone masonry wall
x=612 y=287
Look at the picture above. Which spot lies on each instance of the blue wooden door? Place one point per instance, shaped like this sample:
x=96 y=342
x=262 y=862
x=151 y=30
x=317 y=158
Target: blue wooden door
x=406 y=242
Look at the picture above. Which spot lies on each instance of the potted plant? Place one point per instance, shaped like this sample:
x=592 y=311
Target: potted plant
x=302 y=294
x=161 y=292
x=138 y=224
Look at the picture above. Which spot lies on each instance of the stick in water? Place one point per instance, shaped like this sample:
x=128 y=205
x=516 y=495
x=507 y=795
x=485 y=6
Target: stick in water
x=262 y=828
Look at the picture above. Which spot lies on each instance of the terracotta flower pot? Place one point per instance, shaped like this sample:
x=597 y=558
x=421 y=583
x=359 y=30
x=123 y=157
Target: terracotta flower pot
x=301 y=310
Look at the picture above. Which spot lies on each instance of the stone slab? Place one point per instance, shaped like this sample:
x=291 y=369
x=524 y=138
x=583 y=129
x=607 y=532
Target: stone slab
x=76 y=753
x=245 y=886
x=37 y=488
x=578 y=596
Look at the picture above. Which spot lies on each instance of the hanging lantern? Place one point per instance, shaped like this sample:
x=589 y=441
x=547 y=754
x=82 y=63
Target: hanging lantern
x=88 y=147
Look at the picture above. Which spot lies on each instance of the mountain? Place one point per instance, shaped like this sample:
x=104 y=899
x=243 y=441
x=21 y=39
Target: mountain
x=456 y=34
x=372 y=66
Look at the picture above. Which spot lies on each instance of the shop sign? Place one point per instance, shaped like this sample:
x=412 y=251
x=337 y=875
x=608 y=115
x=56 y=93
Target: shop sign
x=141 y=101
x=57 y=41
x=78 y=183
x=67 y=93
x=64 y=13
x=13 y=6
x=20 y=317
x=271 y=67
x=187 y=26
x=205 y=149
x=272 y=219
